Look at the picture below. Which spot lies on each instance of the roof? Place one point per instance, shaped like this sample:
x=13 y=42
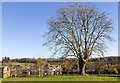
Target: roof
x=2 y=66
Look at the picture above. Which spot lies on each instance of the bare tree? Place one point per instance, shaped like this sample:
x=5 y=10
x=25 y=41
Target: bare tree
x=100 y=66
x=79 y=30
x=68 y=65
x=41 y=64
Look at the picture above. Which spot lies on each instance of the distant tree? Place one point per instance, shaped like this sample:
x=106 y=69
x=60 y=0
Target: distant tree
x=100 y=66
x=19 y=70
x=79 y=30
x=119 y=68
x=115 y=70
x=13 y=72
x=90 y=67
x=5 y=59
x=41 y=63
x=68 y=65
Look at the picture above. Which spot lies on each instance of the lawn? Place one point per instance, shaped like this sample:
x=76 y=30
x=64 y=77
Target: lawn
x=64 y=78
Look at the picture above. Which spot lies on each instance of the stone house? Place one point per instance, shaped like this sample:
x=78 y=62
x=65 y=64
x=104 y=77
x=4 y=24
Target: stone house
x=55 y=67
x=4 y=71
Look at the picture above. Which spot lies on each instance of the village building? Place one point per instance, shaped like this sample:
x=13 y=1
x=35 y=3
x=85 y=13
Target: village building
x=55 y=66
x=4 y=71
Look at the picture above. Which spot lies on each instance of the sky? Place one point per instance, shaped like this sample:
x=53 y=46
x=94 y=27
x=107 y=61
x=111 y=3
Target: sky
x=25 y=23
x=60 y=0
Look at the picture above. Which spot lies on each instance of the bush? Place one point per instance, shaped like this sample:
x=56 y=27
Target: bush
x=115 y=70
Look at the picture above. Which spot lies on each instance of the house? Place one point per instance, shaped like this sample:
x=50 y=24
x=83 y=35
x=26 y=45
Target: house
x=4 y=71
x=25 y=73
x=55 y=66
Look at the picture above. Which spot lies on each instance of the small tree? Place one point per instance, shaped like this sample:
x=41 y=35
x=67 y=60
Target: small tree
x=115 y=70
x=68 y=65
x=41 y=64
x=100 y=66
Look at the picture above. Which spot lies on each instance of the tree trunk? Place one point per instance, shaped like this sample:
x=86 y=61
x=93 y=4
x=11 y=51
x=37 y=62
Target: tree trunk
x=82 y=65
x=67 y=72
x=39 y=71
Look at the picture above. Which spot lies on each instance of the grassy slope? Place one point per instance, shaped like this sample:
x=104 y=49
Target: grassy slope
x=64 y=78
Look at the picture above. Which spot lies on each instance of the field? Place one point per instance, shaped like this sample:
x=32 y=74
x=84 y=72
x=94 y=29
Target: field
x=64 y=78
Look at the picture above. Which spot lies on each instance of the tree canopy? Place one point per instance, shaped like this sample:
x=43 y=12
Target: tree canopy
x=79 y=30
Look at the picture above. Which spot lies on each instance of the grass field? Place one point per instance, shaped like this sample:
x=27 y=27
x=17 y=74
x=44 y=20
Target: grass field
x=64 y=78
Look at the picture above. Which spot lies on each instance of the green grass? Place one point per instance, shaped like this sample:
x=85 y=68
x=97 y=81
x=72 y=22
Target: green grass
x=64 y=78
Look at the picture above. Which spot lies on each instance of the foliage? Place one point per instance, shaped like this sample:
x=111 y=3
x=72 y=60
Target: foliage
x=41 y=63
x=68 y=65
x=115 y=70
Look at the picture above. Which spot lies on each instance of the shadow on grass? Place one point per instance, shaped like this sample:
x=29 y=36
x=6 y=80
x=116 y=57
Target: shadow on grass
x=115 y=76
